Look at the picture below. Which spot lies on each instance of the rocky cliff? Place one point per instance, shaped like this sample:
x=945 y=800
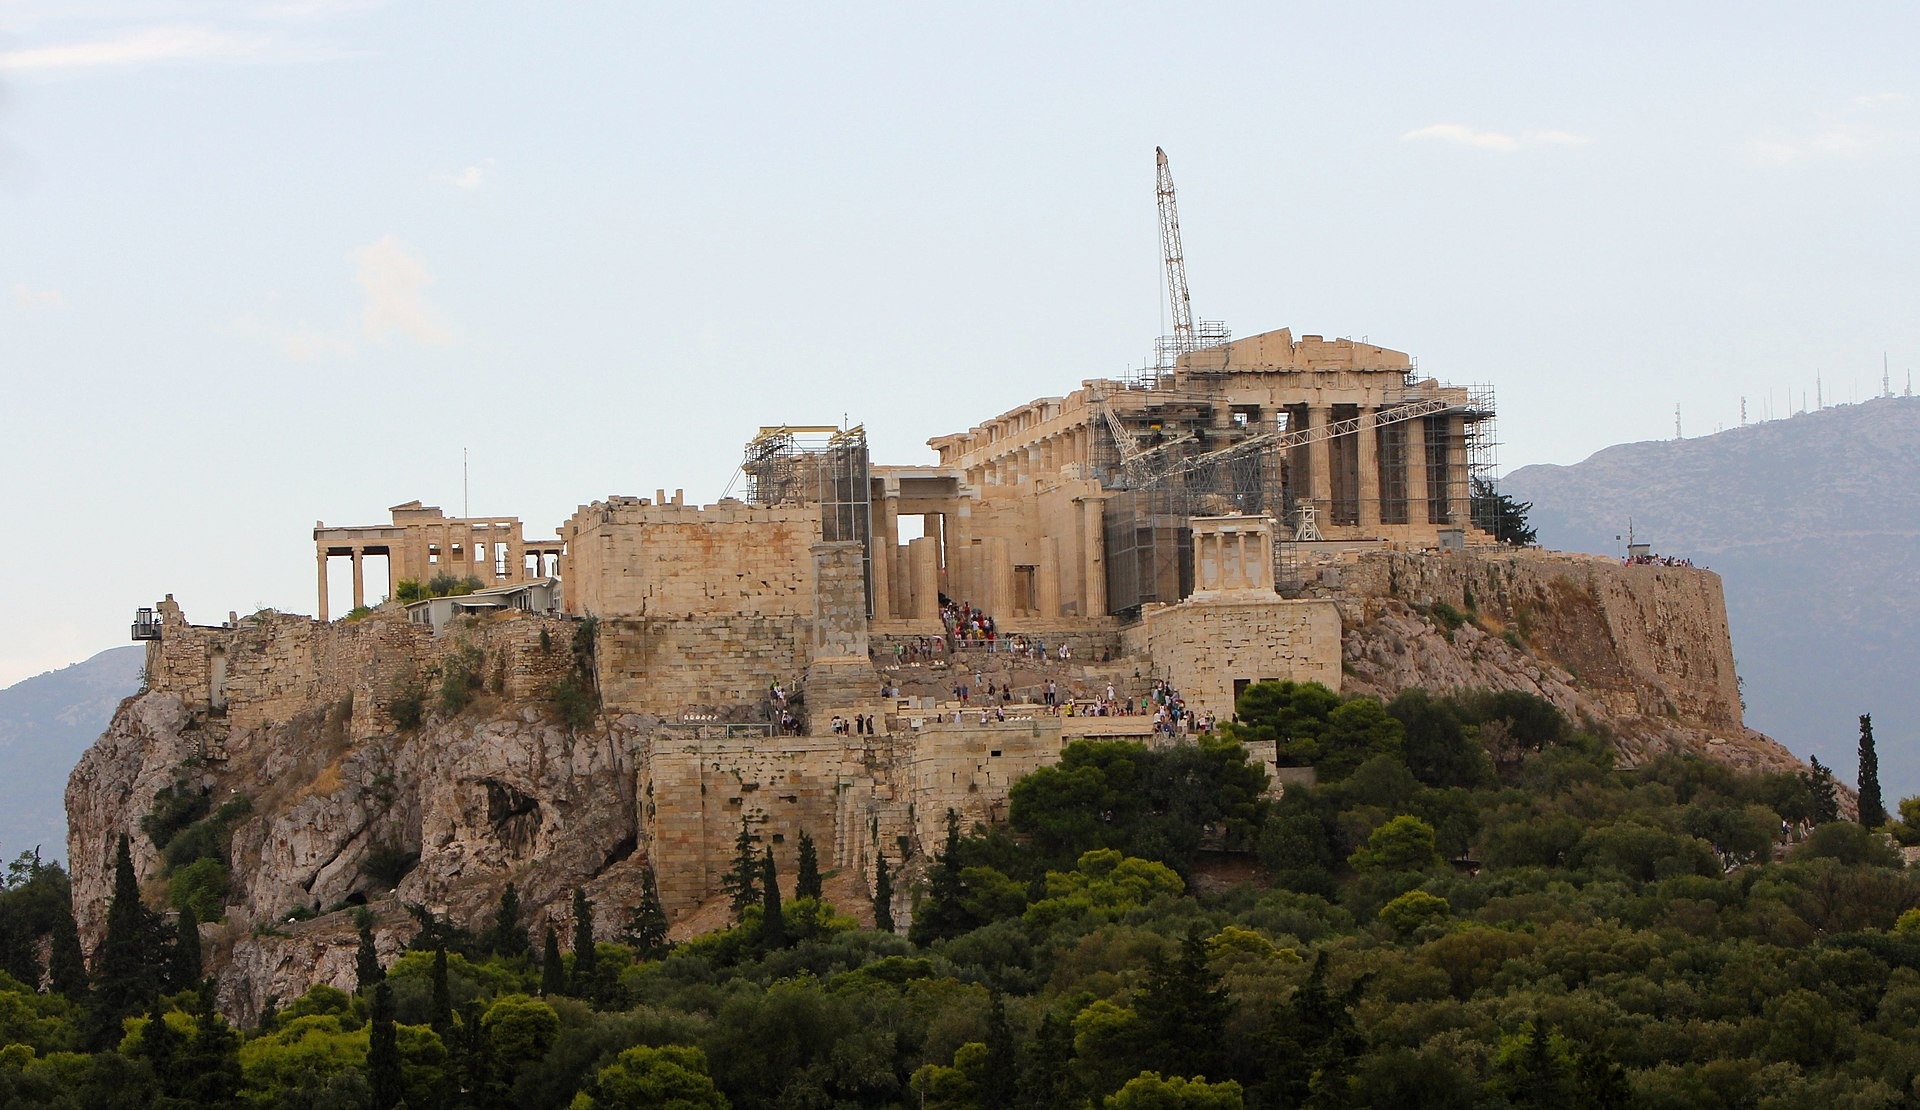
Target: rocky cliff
x=306 y=721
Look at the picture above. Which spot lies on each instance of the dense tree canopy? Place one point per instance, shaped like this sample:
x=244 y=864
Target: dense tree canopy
x=1474 y=908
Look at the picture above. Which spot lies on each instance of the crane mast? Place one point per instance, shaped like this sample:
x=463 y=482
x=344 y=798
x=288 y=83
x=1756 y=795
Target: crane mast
x=1182 y=307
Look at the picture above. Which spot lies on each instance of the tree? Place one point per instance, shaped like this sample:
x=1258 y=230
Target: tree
x=586 y=958
x=65 y=964
x=553 y=970
x=1151 y=1091
x=128 y=967
x=1819 y=780
x=1500 y=514
x=1186 y=1008
x=742 y=880
x=383 y=1051
x=1403 y=844
x=1001 y=1078
x=508 y=937
x=644 y=1077
x=646 y=930
x=441 y=1015
x=882 y=894
x=366 y=961
x=183 y=965
x=943 y=915
x=773 y=927
x=806 y=880
x=1873 y=811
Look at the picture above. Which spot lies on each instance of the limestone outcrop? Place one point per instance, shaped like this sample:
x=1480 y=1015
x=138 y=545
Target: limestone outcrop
x=351 y=805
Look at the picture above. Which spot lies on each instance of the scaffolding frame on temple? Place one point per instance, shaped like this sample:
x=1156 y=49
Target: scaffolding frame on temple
x=1483 y=458
x=826 y=466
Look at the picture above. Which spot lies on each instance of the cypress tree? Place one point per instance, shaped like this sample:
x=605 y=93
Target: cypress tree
x=882 y=895
x=508 y=937
x=1046 y=1076
x=741 y=882
x=1873 y=809
x=586 y=960
x=383 y=1051
x=553 y=972
x=210 y=1072
x=806 y=876
x=127 y=968
x=183 y=964
x=942 y=915
x=441 y=1017
x=773 y=924
x=998 y=1085
x=65 y=965
x=646 y=929
x=366 y=962
x=1826 y=808
x=160 y=1044
x=1186 y=1009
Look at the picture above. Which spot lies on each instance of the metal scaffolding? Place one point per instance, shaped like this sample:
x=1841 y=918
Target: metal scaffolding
x=818 y=465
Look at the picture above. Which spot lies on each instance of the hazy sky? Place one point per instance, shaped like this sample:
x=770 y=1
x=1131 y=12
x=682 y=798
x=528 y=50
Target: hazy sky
x=262 y=264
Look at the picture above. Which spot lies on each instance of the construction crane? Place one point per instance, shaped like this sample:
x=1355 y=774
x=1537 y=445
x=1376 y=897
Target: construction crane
x=1177 y=298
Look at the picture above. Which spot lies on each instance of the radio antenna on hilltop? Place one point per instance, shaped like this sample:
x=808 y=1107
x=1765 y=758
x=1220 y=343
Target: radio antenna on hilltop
x=465 y=508
x=1676 y=423
x=1886 y=382
x=1743 y=412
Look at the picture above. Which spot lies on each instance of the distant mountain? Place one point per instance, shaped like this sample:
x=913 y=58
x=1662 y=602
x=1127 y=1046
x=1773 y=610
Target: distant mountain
x=45 y=723
x=1813 y=523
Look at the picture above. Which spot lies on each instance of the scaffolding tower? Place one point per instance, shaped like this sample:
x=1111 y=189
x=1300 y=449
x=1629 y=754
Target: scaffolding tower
x=825 y=466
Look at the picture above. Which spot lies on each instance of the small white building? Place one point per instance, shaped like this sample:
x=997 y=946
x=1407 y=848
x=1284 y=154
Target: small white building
x=540 y=595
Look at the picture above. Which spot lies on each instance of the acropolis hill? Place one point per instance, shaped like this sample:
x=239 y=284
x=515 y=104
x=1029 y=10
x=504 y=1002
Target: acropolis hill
x=1270 y=507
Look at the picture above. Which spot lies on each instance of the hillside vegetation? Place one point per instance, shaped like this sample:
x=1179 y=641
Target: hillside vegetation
x=1473 y=908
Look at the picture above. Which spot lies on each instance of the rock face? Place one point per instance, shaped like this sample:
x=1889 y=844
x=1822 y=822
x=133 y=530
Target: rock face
x=307 y=721
x=1812 y=523
x=501 y=793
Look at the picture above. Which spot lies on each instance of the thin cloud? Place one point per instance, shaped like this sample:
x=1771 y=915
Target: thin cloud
x=29 y=299
x=470 y=179
x=1502 y=142
x=155 y=44
x=393 y=280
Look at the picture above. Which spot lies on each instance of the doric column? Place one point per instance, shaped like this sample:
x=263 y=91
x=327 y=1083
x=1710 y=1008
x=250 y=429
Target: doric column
x=359 y=586
x=1459 y=480
x=961 y=577
x=1320 y=462
x=1414 y=455
x=321 y=558
x=1369 y=467
x=880 y=556
x=1093 y=557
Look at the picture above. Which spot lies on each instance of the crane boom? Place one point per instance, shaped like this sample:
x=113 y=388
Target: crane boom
x=1177 y=299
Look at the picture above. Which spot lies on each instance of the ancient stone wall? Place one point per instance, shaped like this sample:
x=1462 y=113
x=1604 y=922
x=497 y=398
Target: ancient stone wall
x=695 y=791
x=968 y=768
x=666 y=667
x=1647 y=640
x=270 y=667
x=1205 y=647
x=628 y=557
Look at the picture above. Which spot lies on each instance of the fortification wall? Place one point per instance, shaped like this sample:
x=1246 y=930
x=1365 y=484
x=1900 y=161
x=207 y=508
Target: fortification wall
x=695 y=792
x=1205 y=647
x=1646 y=640
x=628 y=557
x=665 y=667
x=270 y=667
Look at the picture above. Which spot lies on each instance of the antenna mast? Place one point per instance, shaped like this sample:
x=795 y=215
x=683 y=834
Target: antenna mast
x=1177 y=299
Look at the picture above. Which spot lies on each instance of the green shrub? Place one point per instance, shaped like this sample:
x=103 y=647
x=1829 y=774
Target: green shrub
x=203 y=886
x=408 y=708
x=174 y=808
x=459 y=677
